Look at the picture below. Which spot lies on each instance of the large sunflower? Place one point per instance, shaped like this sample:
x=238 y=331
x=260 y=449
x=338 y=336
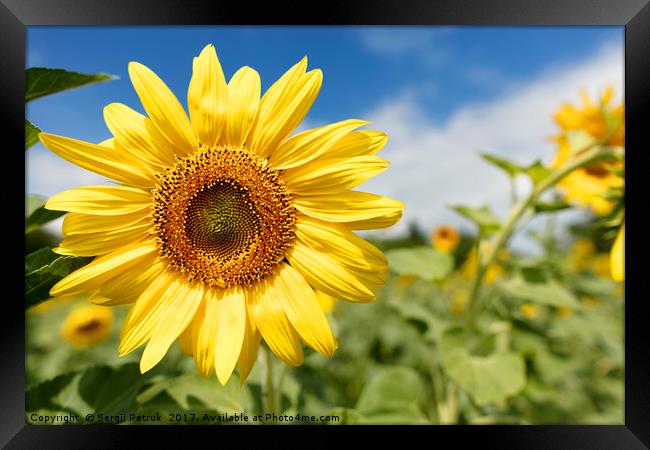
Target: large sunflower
x=222 y=228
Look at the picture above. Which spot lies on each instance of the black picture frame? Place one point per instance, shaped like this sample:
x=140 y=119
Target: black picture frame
x=634 y=15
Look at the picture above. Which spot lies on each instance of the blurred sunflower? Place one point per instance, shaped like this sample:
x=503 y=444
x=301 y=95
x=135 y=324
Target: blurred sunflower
x=87 y=325
x=223 y=226
x=445 y=238
x=588 y=185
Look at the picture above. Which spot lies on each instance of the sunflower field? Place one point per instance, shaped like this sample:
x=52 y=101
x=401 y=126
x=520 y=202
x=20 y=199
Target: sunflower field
x=463 y=328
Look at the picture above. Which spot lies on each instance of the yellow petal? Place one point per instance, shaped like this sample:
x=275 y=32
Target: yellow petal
x=338 y=241
x=159 y=315
x=163 y=108
x=102 y=159
x=243 y=103
x=103 y=268
x=249 y=349
x=617 y=256
x=232 y=325
x=138 y=135
x=189 y=338
x=283 y=107
x=304 y=311
x=208 y=332
x=384 y=221
x=94 y=244
x=207 y=97
x=101 y=200
x=327 y=302
x=356 y=143
x=76 y=223
x=129 y=285
x=270 y=319
x=332 y=175
x=347 y=206
x=306 y=146
x=326 y=274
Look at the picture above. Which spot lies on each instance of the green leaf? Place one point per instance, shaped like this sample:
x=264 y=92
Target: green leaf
x=102 y=389
x=41 y=81
x=487 y=379
x=36 y=214
x=509 y=167
x=45 y=395
x=192 y=390
x=411 y=310
x=483 y=217
x=43 y=269
x=422 y=261
x=392 y=396
x=545 y=207
x=111 y=390
x=537 y=172
x=31 y=134
x=546 y=293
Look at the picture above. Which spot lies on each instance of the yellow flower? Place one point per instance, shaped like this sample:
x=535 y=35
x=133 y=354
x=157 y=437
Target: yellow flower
x=445 y=238
x=530 y=311
x=87 y=325
x=223 y=225
x=580 y=254
x=617 y=256
x=588 y=185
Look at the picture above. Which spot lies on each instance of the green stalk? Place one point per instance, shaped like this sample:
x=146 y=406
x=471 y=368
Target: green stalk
x=268 y=391
x=585 y=157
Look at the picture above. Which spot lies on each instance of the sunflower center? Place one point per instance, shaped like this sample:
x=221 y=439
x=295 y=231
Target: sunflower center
x=223 y=216
x=597 y=170
x=90 y=326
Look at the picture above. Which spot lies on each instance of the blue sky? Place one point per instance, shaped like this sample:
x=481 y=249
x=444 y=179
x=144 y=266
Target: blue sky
x=441 y=93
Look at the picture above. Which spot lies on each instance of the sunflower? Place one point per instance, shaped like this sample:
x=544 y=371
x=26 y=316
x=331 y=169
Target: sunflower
x=223 y=227
x=588 y=185
x=87 y=325
x=445 y=238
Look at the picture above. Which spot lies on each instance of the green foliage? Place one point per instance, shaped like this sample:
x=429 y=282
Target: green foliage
x=31 y=134
x=423 y=262
x=552 y=206
x=536 y=171
x=487 y=379
x=510 y=168
x=546 y=293
x=392 y=396
x=41 y=81
x=37 y=215
x=43 y=269
x=483 y=217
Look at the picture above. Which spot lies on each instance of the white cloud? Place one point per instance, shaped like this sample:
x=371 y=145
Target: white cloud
x=393 y=41
x=436 y=164
x=48 y=174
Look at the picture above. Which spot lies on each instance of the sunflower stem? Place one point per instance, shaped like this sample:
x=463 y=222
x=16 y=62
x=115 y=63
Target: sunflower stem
x=587 y=156
x=268 y=390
